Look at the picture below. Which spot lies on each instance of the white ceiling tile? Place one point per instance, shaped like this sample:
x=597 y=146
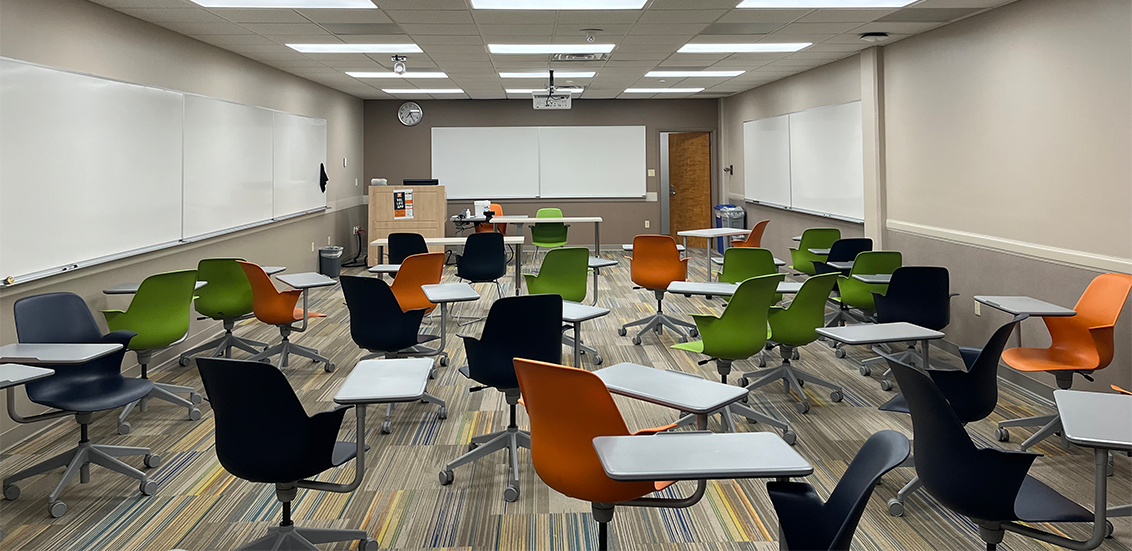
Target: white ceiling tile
x=313 y=38
x=173 y=15
x=514 y=17
x=225 y=39
x=692 y=4
x=431 y=17
x=372 y=39
x=895 y=28
x=260 y=16
x=633 y=63
x=345 y=16
x=418 y=28
x=205 y=28
x=284 y=28
x=599 y=17
x=657 y=40
x=297 y=63
x=423 y=4
x=853 y=38
x=667 y=29
x=430 y=39
x=516 y=30
x=843 y=16
x=962 y=3
x=606 y=30
x=460 y=56
x=763 y=16
x=628 y=56
x=817 y=28
x=681 y=16
x=776 y=37
x=261 y=49
x=119 y=4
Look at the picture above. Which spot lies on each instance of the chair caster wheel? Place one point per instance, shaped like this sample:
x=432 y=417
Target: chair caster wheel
x=432 y=373
x=265 y=360
x=194 y=414
x=690 y=296
x=865 y=371
x=1110 y=470
x=444 y=361
x=152 y=460
x=743 y=381
x=472 y=446
x=195 y=398
x=759 y=362
x=802 y=407
x=886 y=385
x=840 y=353
x=598 y=359
x=368 y=545
x=386 y=427
x=790 y=437
x=443 y=413
x=746 y=399
x=124 y=428
x=184 y=361
x=621 y=332
x=511 y=494
x=836 y=396
x=328 y=367
x=895 y=508
x=795 y=355
x=637 y=341
x=1108 y=529
x=11 y=492
x=694 y=332
x=446 y=477
x=56 y=509
x=1002 y=435
x=148 y=487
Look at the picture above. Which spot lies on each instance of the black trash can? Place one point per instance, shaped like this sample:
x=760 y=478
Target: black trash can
x=330 y=261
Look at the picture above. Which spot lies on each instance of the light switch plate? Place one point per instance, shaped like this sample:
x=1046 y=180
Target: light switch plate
x=652 y=172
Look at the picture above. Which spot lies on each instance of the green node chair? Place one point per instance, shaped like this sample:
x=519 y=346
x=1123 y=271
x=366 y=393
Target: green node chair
x=791 y=327
x=737 y=335
x=743 y=263
x=548 y=235
x=159 y=314
x=814 y=238
x=226 y=298
x=564 y=272
x=855 y=301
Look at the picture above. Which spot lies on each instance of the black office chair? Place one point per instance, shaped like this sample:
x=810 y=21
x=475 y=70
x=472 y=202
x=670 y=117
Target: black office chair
x=989 y=486
x=266 y=436
x=526 y=327
x=484 y=260
x=378 y=325
x=972 y=394
x=78 y=390
x=404 y=245
x=843 y=250
x=920 y=295
x=807 y=523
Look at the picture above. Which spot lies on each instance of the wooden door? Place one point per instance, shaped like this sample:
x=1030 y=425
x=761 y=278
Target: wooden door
x=689 y=178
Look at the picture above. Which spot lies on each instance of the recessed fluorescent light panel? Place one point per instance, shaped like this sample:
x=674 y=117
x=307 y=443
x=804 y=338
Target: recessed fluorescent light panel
x=356 y=48
x=545 y=74
x=422 y=90
x=358 y=4
x=550 y=48
x=690 y=74
x=756 y=47
x=663 y=90
x=391 y=74
x=577 y=90
x=856 y=4
x=558 y=4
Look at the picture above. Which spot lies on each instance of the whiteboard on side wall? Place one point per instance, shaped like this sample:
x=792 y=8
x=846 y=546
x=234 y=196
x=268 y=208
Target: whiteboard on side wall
x=299 y=150
x=475 y=162
x=766 y=160
x=591 y=161
x=827 y=161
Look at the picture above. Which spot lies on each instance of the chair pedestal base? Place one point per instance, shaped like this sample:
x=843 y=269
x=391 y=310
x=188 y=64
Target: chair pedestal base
x=658 y=321
x=285 y=348
x=161 y=391
x=222 y=345
x=1050 y=424
x=471 y=320
x=510 y=439
x=725 y=413
x=293 y=538
x=793 y=379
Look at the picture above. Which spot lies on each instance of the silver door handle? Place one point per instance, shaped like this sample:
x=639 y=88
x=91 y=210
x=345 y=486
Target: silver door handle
x=671 y=190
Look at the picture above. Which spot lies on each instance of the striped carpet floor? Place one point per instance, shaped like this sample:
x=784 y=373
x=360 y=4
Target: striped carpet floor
x=199 y=506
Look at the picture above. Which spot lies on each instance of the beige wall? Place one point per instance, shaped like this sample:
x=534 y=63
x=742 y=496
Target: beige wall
x=89 y=38
x=395 y=152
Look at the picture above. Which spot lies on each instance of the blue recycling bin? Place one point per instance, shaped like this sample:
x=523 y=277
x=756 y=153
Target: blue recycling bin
x=729 y=216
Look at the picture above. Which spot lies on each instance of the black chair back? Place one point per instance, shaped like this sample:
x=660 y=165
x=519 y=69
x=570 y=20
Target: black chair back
x=376 y=320
x=528 y=327
x=404 y=245
x=484 y=259
x=843 y=250
x=976 y=395
x=916 y=294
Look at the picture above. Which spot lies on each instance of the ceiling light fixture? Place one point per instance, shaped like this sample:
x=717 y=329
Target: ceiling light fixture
x=396 y=91
x=356 y=48
x=856 y=4
x=546 y=74
x=550 y=48
x=690 y=74
x=558 y=4
x=292 y=4
x=756 y=47
x=382 y=74
x=663 y=90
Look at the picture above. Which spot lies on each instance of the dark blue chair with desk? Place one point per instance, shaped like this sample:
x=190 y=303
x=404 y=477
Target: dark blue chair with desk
x=404 y=245
x=267 y=436
x=919 y=295
x=528 y=327
x=79 y=390
x=808 y=523
x=843 y=250
x=484 y=260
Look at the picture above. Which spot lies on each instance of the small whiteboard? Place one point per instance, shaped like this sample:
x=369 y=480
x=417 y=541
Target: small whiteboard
x=766 y=160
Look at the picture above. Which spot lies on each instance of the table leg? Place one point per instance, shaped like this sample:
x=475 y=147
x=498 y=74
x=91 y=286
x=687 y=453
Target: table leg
x=707 y=259
x=597 y=272
x=443 y=324
x=578 y=344
x=701 y=420
x=924 y=345
x=518 y=265
x=380 y=254
x=597 y=239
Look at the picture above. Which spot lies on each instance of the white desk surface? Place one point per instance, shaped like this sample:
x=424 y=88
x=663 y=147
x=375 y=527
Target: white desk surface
x=574 y=312
x=797 y=238
x=306 y=280
x=719 y=261
x=449 y=292
x=1024 y=305
x=713 y=232
x=876 y=333
x=846 y=265
x=555 y=220
x=629 y=247
x=673 y=389
x=507 y=240
x=874 y=279
x=699 y=456
x=272 y=270
x=1095 y=419
x=819 y=252
x=596 y=262
x=132 y=288
x=716 y=289
x=385 y=381
x=52 y=354
x=384 y=268
x=18 y=374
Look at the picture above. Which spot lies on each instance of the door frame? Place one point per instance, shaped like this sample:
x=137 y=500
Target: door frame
x=663 y=189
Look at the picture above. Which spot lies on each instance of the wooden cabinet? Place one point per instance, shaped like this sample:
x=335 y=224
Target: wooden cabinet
x=430 y=210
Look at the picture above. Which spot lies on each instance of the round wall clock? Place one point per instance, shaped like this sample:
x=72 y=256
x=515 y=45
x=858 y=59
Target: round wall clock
x=410 y=113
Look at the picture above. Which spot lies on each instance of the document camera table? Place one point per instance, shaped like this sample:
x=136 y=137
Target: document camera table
x=389 y=381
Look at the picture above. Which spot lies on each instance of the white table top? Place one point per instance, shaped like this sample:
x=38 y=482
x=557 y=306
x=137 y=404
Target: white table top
x=574 y=312
x=533 y=220
x=629 y=247
x=797 y=238
x=674 y=389
x=699 y=456
x=508 y=240
x=1095 y=419
x=1024 y=305
x=873 y=279
x=52 y=354
x=596 y=262
x=876 y=333
x=845 y=265
x=306 y=280
x=385 y=381
x=819 y=252
x=713 y=232
x=449 y=292
x=719 y=261
x=132 y=288
x=717 y=289
x=18 y=374
x=272 y=270
x=384 y=268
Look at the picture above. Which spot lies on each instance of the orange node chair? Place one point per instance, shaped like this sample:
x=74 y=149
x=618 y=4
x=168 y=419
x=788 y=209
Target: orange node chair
x=1081 y=344
x=496 y=210
x=277 y=308
x=417 y=270
x=753 y=239
x=1121 y=390
x=655 y=264
x=568 y=408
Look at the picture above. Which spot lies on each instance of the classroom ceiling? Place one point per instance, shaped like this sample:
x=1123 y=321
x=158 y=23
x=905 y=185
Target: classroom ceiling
x=454 y=38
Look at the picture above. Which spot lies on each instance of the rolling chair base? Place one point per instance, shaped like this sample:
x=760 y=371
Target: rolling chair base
x=471 y=320
x=793 y=378
x=293 y=538
x=724 y=368
x=658 y=321
x=222 y=345
x=567 y=340
x=165 y=392
x=896 y=504
x=510 y=439
x=1050 y=424
x=286 y=348
x=910 y=356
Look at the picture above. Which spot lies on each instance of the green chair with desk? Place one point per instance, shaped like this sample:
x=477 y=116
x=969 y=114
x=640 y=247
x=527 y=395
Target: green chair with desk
x=159 y=314
x=743 y=263
x=226 y=298
x=802 y=260
x=548 y=235
x=855 y=302
x=564 y=272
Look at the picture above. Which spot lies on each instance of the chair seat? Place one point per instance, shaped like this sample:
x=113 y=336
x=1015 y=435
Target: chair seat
x=1046 y=359
x=95 y=395
x=422 y=338
x=343 y=452
x=1037 y=502
x=897 y=404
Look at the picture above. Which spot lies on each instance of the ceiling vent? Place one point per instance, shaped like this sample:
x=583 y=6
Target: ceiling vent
x=579 y=57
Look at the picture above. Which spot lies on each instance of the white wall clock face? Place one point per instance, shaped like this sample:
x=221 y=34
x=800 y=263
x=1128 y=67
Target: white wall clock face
x=410 y=113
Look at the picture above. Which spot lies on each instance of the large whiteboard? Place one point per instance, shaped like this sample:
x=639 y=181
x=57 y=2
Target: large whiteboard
x=766 y=160
x=300 y=152
x=496 y=162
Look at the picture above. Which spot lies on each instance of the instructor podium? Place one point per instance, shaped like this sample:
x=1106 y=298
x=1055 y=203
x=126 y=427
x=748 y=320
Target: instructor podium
x=389 y=214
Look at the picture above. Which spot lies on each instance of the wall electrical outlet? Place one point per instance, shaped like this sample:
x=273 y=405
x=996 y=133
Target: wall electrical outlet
x=328 y=240
x=312 y=246
x=646 y=224
x=978 y=310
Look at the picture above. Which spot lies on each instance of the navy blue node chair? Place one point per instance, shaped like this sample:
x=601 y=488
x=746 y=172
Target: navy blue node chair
x=404 y=245
x=484 y=260
x=919 y=295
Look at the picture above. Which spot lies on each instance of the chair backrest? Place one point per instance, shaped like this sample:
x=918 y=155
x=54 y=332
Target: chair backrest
x=977 y=395
x=548 y=233
x=847 y=249
x=755 y=238
x=1091 y=330
x=916 y=294
x=736 y=334
x=376 y=320
x=818 y=238
x=404 y=245
x=496 y=210
x=568 y=408
x=159 y=312
x=270 y=304
x=528 y=326
x=881 y=453
x=656 y=262
x=484 y=258
x=859 y=294
x=741 y=263
x=417 y=270
x=796 y=324
x=564 y=272
x=228 y=294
